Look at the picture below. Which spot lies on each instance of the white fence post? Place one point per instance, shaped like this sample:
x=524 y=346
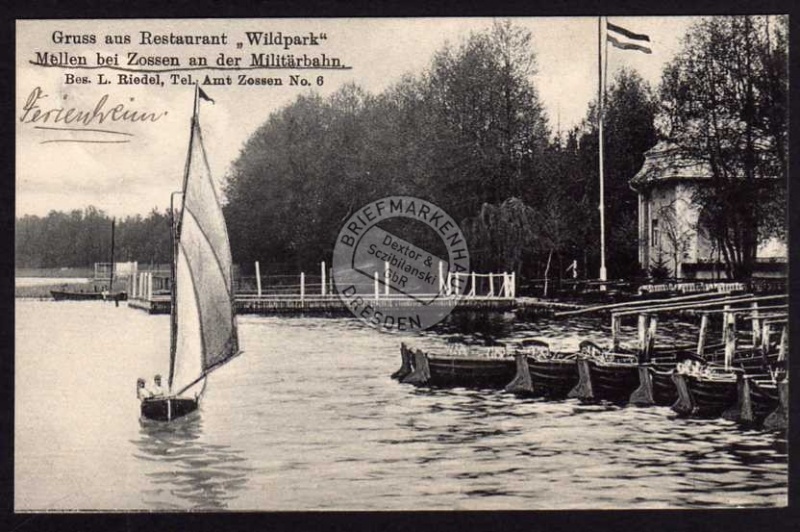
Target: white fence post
x=441 y=278
x=449 y=284
x=377 y=287
x=491 y=285
x=513 y=285
x=323 y=278
x=386 y=278
x=302 y=287
x=150 y=287
x=258 y=279
x=472 y=293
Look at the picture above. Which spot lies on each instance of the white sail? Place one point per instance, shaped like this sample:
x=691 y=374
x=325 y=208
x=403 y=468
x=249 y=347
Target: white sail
x=206 y=334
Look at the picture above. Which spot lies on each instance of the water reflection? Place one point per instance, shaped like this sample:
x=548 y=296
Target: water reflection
x=205 y=475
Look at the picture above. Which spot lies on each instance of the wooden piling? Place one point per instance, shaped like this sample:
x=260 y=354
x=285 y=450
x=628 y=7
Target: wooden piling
x=641 y=331
x=701 y=339
x=784 y=343
x=650 y=340
x=756 y=324
x=615 y=332
x=766 y=332
x=729 y=337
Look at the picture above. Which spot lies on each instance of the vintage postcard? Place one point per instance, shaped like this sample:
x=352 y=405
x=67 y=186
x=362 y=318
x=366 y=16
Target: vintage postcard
x=401 y=264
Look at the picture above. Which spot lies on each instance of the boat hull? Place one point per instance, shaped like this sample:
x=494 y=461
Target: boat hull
x=64 y=295
x=764 y=398
x=704 y=397
x=167 y=408
x=471 y=372
x=553 y=378
x=664 y=391
x=613 y=382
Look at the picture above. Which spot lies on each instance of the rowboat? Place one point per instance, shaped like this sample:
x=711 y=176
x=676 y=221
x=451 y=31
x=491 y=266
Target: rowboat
x=542 y=372
x=461 y=365
x=604 y=375
x=704 y=390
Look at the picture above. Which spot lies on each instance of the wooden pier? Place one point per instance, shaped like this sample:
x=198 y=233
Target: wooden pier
x=149 y=291
x=330 y=304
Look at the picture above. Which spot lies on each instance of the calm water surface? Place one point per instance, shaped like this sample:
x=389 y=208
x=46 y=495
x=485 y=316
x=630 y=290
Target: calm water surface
x=308 y=419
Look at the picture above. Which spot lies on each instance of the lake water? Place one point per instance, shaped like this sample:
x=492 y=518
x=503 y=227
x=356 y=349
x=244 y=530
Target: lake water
x=308 y=419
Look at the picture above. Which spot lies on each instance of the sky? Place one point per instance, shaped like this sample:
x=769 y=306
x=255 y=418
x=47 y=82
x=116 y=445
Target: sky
x=135 y=176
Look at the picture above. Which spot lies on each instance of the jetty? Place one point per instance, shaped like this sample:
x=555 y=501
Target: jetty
x=316 y=296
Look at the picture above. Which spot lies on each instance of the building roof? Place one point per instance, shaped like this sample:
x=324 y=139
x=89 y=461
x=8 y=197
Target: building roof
x=667 y=162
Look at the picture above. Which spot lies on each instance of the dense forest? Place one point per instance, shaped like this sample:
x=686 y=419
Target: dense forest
x=470 y=134
x=81 y=238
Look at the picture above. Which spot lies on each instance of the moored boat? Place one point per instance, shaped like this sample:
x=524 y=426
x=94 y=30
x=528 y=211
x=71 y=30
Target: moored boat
x=704 y=390
x=605 y=375
x=461 y=365
x=542 y=372
x=96 y=295
x=73 y=295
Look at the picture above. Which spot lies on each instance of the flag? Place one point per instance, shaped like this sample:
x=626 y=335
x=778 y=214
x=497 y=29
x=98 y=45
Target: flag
x=203 y=95
x=626 y=39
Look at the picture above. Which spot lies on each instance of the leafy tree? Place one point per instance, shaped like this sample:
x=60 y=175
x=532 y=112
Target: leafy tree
x=469 y=130
x=82 y=237
x=725 y=103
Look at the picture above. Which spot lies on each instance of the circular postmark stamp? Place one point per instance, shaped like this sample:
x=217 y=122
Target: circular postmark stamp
x=400 y=264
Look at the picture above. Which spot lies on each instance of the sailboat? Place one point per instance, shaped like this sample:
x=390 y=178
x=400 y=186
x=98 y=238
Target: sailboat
x=107 y=295
x=203 y=333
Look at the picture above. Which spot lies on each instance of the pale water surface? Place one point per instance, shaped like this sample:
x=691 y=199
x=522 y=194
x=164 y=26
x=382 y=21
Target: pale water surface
x=308 y=419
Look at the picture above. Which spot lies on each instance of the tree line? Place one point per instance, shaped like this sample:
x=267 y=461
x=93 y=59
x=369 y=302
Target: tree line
x=470 y=134
x=80 y=238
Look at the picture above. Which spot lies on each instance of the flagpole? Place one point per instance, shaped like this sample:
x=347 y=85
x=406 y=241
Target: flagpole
x=600 y=91
x=196 y=102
